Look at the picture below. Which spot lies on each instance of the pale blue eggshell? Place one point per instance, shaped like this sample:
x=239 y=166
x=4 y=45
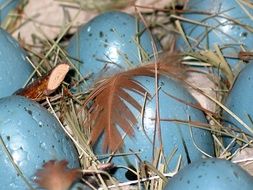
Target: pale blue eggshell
x=32 y=136
x=210 y=174
x=108 y=44
x=6 y=6
x=222 y=31
x=14 y=68
x=239 y=101
x=174 y=135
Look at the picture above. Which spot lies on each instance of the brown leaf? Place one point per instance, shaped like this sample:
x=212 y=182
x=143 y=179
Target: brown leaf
x=55 y=175
x=109 y=109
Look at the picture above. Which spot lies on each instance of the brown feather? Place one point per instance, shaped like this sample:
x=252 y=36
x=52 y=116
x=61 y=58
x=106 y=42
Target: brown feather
x=55 y=175
x=109 y=110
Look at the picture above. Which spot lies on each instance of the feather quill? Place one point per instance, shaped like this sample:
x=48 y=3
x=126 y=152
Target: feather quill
x=108 y=99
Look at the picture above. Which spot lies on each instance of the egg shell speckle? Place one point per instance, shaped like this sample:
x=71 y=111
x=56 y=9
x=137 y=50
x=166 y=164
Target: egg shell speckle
x=219 y=29
x=32 y=136
x=210 y=174
x=174 y=135
x=109 y=43
x=15 y=69
x=6 y=6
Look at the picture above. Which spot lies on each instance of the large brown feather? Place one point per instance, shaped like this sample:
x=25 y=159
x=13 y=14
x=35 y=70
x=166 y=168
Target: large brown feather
x=109 y=109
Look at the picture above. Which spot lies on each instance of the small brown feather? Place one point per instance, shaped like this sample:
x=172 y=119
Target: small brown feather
x=55 y=175
x=109 y=109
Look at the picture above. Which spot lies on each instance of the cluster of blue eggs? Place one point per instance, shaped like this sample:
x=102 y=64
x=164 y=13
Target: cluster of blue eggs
x=225 y=23
x=110 y=43
x=29 y=134
x=99 y=50
x=114 y=42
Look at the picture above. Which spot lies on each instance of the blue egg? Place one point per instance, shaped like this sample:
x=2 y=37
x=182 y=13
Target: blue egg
x=222 y=22
x=109 y=43
x=6 y=6
x=176 y=136
x=209 y=174
x=239 y=101
x=15 y=69
x=30 y=136
x=79 y=186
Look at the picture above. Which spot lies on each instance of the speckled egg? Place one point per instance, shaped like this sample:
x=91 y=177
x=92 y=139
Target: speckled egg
x=15 y=69
x=239 y=101
x=210 y=174
x=30 y=136
x=176 y=135
x=110 y=42
x=221 y=22
x=6 y=6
